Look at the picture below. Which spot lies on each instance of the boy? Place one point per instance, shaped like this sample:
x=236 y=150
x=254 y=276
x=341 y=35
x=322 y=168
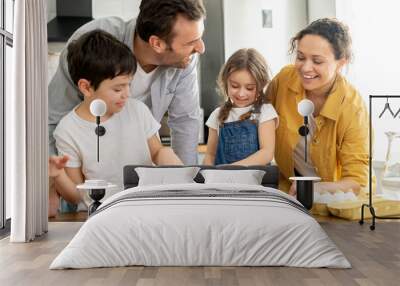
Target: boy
x=102 y=68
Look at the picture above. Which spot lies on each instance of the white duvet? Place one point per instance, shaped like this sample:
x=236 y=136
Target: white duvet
x=132 y=229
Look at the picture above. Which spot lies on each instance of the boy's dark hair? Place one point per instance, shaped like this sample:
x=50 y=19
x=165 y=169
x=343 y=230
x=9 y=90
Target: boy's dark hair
x=157 y=17
x=332 y=30
x=97 y=56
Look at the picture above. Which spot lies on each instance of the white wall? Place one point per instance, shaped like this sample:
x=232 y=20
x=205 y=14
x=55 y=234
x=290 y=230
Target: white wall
x=374 y=26
x=321 y=9
x=125 y=9
x=243 y=28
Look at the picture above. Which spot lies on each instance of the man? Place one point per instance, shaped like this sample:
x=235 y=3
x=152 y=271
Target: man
x=165 y=38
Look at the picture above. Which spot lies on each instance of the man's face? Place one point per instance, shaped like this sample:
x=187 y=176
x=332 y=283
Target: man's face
x=185 y=42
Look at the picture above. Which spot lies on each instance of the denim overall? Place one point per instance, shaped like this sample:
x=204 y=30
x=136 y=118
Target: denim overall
x=237 y=140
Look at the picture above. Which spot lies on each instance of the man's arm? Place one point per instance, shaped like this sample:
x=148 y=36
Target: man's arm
x=212 y=143
x=184 y=115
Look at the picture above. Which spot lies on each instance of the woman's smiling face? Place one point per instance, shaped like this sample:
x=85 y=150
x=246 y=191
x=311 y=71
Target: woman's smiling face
x=316 y=63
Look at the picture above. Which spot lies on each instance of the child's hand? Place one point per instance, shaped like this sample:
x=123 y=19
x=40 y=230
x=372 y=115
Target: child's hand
x=56 y=165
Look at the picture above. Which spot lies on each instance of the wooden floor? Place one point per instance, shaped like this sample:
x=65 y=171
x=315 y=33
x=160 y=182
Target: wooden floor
x=374 y=255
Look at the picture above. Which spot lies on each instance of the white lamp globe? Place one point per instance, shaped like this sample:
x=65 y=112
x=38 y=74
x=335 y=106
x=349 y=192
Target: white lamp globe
x=98 y=107
x=305 y=107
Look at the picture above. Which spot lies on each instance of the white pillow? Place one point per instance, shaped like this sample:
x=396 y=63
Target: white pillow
x=164 y=176
x=248 y=177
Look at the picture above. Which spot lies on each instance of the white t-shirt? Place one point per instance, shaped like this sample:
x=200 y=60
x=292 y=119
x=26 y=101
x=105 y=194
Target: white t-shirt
x=306 y=169
x=125 y=142
x=141 y=84
x=267 y=112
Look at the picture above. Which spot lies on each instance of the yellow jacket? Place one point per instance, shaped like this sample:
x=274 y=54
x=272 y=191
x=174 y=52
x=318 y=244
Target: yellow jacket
x=339 y=147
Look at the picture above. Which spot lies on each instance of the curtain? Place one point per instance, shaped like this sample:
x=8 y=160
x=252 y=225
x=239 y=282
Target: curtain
x=26 y=123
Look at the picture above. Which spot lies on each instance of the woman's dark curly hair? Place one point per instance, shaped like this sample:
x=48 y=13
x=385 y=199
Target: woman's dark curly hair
x=332 y=30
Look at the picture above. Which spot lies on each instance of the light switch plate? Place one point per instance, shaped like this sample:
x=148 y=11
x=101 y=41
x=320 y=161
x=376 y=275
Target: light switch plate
x=266 y=18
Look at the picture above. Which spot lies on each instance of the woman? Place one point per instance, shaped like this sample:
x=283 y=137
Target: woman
x=338 y=135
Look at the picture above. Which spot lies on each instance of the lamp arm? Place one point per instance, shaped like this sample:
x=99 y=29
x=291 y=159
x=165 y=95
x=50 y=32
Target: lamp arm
x=98 y=138
x=305 y=138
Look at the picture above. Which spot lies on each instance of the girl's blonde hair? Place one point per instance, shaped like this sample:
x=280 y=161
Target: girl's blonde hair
x=243 y=59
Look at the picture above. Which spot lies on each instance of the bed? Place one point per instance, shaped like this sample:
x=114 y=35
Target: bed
x=201 y=224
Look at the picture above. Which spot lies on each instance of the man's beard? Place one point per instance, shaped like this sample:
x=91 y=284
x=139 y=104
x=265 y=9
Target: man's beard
x=182 y=64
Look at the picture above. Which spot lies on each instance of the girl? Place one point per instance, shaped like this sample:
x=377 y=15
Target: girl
x=242 y=130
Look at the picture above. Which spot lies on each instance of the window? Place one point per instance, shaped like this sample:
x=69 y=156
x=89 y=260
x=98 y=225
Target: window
x=6 y=62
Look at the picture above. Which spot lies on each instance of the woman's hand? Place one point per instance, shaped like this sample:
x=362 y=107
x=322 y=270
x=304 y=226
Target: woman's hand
x=319 y=187
x=57 y=165
x=325 y=187
x=344 y=185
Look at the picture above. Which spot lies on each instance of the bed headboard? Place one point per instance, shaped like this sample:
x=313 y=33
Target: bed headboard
x=270 y=179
